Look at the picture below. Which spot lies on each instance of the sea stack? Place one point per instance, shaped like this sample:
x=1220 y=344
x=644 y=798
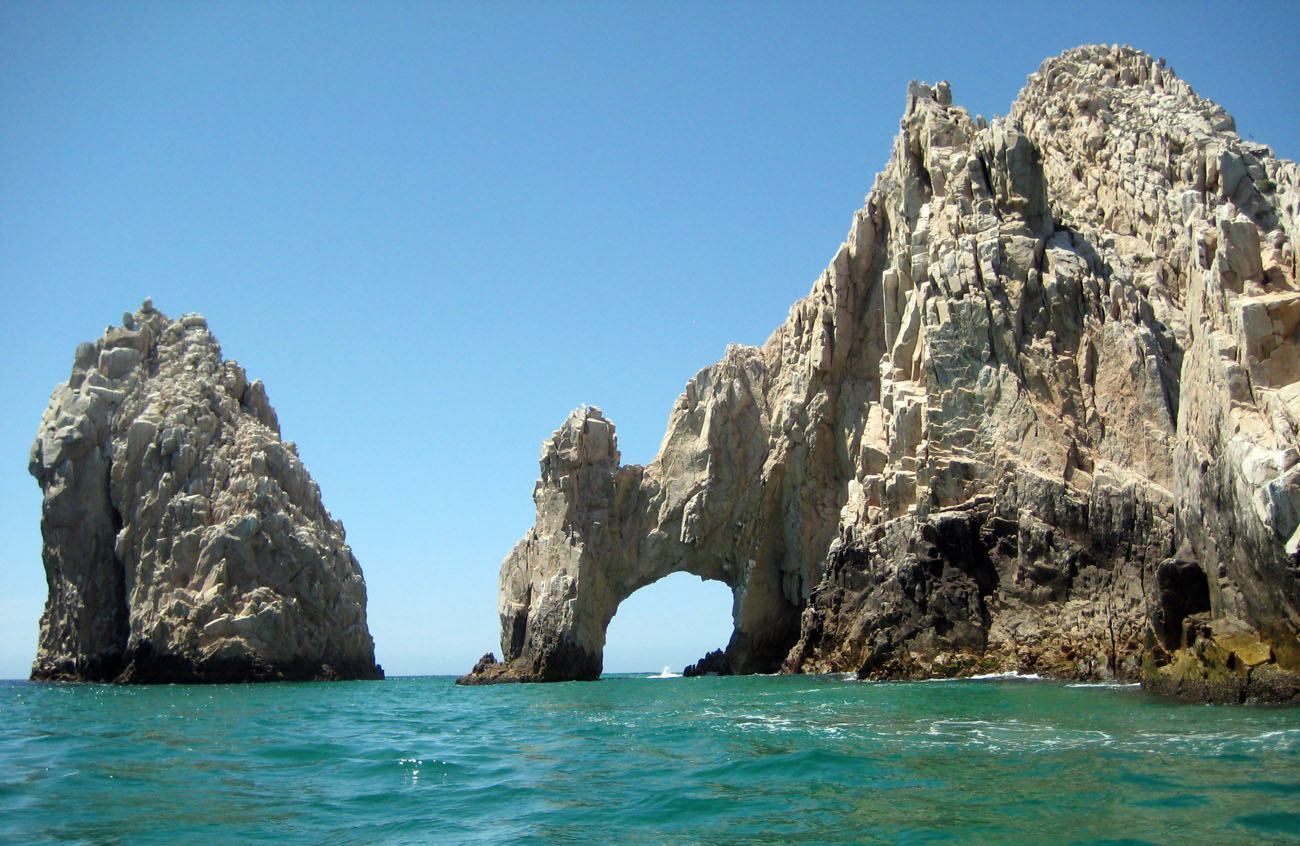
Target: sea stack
x=1039 y=414
x=184 y=541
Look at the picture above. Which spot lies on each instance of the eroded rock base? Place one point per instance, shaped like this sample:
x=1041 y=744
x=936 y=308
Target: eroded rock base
x=146 y=667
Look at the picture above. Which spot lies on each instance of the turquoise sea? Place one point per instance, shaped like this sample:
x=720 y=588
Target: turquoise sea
x=638 y=760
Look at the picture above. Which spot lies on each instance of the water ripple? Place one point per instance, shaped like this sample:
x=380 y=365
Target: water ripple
x=673 y=761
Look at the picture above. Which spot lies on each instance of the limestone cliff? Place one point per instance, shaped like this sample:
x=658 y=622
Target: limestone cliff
x=1039 y=413
x=184 y=541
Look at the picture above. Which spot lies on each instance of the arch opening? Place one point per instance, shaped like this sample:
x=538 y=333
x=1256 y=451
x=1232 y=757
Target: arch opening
x=669 y=623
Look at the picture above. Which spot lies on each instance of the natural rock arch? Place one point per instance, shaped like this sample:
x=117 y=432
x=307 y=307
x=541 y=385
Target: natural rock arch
x=605 y=531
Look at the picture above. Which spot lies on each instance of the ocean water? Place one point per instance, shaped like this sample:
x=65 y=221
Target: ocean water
x=637 y=760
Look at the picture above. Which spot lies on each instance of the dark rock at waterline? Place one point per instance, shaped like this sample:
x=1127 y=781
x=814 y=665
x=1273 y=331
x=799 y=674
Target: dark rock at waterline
x=485 y=671
x=712 y=664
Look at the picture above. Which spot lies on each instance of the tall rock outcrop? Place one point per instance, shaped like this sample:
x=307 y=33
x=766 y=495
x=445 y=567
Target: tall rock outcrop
x=1039 y=413
x=184 y=541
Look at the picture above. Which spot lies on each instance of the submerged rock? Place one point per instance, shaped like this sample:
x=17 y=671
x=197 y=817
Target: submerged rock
x=184 y=541
x=1039 y=414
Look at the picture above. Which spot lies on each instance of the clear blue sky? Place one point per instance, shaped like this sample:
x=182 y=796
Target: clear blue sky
x=434 y=229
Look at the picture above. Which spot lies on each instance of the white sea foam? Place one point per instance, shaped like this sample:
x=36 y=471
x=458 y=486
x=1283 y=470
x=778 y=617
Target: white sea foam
x=1010 y=675
x=1279 y=733
x=665 y=674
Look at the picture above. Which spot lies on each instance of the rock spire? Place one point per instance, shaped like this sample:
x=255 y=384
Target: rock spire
x=184 y=541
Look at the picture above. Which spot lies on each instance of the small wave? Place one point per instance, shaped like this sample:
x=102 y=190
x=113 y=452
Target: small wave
x=665 y=674
x=1107 y=685
x=1279 y=733
x=1010 y=675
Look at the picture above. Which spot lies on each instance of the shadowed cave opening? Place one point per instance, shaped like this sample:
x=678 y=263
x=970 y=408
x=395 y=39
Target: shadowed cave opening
x=670 y=623
x=116 y=653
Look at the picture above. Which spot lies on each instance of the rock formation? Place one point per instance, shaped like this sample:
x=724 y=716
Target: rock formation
x=712 y=664
x=184 y=540
x=1038 y=414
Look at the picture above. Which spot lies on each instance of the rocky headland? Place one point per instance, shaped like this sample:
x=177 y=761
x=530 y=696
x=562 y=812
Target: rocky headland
x=1039 y=414
x=184 y=541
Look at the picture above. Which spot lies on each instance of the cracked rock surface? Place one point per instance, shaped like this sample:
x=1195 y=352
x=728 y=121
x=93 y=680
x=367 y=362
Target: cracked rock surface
x=1038 y=414
x=184 y=541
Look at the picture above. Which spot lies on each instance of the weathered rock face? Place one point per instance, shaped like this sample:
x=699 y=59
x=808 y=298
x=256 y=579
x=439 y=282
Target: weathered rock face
x=1039 y=414
x=184 y=540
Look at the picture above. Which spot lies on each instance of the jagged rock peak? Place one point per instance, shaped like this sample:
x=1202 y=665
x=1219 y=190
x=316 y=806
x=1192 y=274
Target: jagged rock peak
x=184 y=541
x=1039 y=413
